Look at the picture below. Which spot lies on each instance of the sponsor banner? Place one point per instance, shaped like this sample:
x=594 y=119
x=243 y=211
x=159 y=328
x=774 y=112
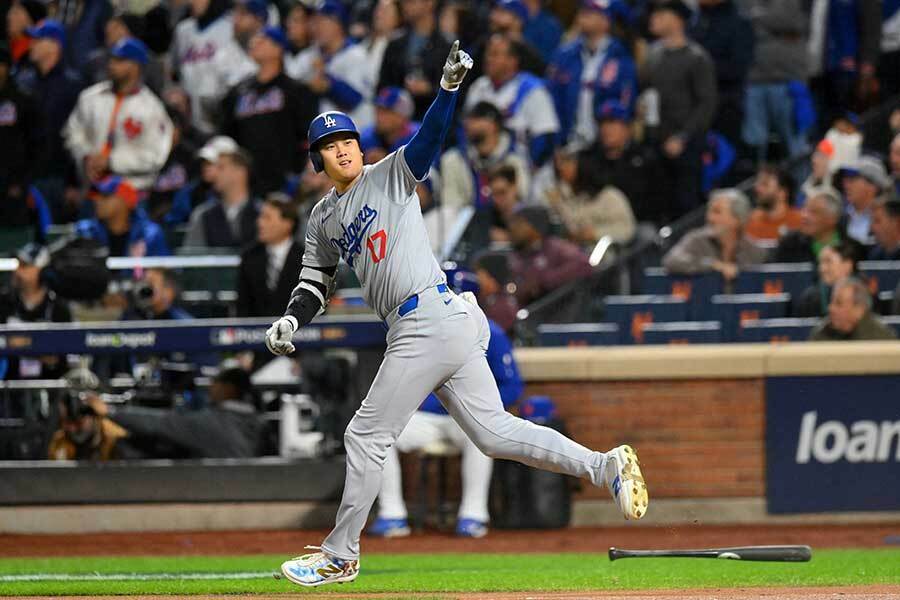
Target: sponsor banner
x=833 y=443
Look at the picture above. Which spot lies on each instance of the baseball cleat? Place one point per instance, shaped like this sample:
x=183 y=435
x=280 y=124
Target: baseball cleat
x=626 y=483
x=318 y=568
x=471 y=528
x=389 y=528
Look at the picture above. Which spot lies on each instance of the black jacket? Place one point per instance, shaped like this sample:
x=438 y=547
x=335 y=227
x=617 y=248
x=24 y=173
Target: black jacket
x=51 y=310
x=728 y=38
x=270 y=120
x=430 y=62
x=794 y=247
x=255 y=299
x=18 y=150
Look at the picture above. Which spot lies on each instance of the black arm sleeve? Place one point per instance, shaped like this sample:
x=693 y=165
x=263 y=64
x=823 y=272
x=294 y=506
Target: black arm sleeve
x=304 y=305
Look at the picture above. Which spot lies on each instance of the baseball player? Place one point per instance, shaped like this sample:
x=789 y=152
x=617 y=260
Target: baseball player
x=436 y=340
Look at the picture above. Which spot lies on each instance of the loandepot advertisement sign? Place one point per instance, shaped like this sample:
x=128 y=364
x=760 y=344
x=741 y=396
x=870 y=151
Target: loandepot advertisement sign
x=833 y=443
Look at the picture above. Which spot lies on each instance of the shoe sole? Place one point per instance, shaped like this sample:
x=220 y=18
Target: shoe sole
x=633 y=496
x=345 y=579
x=395 y=533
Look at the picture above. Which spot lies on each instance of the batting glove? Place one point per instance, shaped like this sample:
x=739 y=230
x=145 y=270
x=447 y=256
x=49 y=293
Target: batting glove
x=279 y=335
x=455 y=69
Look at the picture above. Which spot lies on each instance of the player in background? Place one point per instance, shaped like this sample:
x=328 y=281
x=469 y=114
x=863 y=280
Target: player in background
x=436 y=340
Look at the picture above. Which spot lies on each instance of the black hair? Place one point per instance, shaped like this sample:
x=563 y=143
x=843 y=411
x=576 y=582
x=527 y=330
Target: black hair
x=784 y=179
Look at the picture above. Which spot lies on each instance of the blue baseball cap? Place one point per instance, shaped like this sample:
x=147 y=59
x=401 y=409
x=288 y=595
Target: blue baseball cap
x=258 y=8
x=611 y=8
x=333 y=9
x=276 y=35
x=396 y=99
x=514 y=6
x=48 y=29
x=130 y=48
x=611 y=110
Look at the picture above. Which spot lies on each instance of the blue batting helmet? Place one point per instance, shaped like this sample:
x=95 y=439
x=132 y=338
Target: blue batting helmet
x=323 y=126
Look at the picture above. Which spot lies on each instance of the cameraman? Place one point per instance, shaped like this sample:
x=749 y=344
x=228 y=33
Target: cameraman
x=30 y=301
x=154 y=297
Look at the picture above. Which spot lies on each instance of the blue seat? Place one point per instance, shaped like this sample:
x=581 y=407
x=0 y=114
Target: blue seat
x=882 y=275
x=777 y=330
x=630 y=313
x=579 y=334
x=735 y=309
x=775 y=278
x=683 y=332
x=892 y=322
x=696 y=289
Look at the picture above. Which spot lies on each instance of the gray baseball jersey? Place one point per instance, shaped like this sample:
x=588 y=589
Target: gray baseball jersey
x=377 y=228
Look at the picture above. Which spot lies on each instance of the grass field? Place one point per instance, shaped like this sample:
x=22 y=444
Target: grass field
x=438 y=573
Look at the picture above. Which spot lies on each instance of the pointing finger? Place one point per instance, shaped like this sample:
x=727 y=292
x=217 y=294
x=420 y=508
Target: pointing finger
x=454 y=50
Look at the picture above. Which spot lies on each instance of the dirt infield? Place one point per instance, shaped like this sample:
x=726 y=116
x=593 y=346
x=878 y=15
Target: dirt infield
x=562 y=540
x=833 y=593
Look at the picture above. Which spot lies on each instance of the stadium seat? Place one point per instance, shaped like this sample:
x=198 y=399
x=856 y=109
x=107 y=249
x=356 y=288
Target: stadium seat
x=881 y=275
x=696 y=289
x=735 y=309
x=892 y=322
x=776 y=330
x=776 y=278
x=630 y=313
x=579 y=334
x=683 y=332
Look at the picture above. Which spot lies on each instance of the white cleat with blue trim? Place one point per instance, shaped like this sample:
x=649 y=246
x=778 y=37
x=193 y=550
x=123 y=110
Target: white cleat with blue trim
x=626 y=483
x=318 y=568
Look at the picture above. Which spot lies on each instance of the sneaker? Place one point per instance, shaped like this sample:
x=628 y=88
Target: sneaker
x=471 y=528
x=318 y=568
x=626 y=483
x=389 y=528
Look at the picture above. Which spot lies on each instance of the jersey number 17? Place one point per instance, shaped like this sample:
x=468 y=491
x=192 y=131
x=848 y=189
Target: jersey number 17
x=377 y=245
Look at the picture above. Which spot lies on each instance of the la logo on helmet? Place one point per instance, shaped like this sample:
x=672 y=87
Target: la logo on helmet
x=329 y=121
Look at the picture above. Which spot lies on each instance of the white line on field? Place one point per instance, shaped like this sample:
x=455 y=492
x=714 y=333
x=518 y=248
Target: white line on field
x=134 y=576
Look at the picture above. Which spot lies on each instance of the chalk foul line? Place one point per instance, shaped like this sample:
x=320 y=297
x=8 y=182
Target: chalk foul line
x=134 y=576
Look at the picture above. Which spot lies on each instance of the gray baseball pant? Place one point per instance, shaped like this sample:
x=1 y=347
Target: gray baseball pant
x=440 y=346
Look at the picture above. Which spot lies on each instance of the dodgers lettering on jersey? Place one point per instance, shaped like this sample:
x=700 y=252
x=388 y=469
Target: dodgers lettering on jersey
x=377 y=229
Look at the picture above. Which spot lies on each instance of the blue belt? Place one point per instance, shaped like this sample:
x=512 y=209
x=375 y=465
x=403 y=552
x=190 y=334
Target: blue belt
x=411 y=303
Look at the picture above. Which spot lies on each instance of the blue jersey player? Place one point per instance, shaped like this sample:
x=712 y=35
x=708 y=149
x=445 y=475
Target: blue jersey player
x=436 y=340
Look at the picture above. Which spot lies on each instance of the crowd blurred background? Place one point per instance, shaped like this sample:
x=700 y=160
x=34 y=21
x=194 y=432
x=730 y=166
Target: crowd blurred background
x=706 y=137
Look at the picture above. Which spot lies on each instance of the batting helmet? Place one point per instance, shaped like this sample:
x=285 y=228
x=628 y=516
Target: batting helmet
x=323 y=126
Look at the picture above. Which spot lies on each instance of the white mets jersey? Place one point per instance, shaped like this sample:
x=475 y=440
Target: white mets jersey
x=377 y=229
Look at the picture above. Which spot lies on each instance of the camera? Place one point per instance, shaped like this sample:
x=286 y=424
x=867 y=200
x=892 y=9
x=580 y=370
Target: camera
x=141 y=297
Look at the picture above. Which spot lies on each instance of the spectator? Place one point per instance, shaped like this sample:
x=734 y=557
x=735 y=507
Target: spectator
x=119 y=127
x=84 y=21
x=268 y=114
x=773 y=216
x=819 y=227
x=589 y=71
x=681 y=74
x=21 y=16
x=432 y=423
x=415 y=58
x=836 y=262
x=728 y=38
x=886 y=230
x=506 y=200
x=120 y=225
x=864 y=182
x=542 y=262
x=235 y=63
x=201 y=190
x=846 y=139
x=721 y=246
x=487 y=146
x=386 y=23
x=894 y=160
x=270 y=268
x=55 y=88
x=618 y=160
x=393 y=128
x=197 y=42
x=521 y=97
x=230 y=220
x=229 y=428
x=459 y=21
x=18 y=143
x=297 y=26
x=779 y=64
x=542 y=29
x=30 y=301
x=889 y=62
x=334 y=67
x=587 y=214
x=494 y=274
x=176 y=174
x=820 y=172
x=850 y=316
x=509 y=17
x=119 y=27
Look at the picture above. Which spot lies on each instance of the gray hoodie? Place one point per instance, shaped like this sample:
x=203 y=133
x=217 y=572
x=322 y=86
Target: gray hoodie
x=781 y=28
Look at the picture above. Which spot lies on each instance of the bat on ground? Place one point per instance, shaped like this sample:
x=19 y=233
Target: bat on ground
x=752 y=553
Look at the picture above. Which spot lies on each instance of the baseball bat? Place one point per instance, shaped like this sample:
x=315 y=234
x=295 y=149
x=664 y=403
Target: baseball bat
x=752 y=553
